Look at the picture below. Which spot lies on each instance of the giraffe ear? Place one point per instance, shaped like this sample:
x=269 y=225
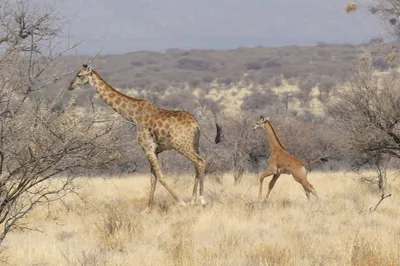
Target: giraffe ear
x=88 y=69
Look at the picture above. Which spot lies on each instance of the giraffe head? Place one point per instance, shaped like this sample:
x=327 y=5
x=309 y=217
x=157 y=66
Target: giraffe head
x=81 y=78
x=260 y=122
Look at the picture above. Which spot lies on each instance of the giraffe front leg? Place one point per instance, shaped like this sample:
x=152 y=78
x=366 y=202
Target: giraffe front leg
x=271 y=185
x=201 y=167
x=153 y=181
x=194 y=194
x=262 y=176
x=151 y=156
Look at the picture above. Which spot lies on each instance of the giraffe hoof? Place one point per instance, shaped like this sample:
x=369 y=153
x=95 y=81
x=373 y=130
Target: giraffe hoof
x=193 y=202
x=146 y=211
x=182 y=203
x=203 y=201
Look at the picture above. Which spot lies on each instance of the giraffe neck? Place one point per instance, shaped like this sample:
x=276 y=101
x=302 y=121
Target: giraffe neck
x=129 y=107
x=273 y=139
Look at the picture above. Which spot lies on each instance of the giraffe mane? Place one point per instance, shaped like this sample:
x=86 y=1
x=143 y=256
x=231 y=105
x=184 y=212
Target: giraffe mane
x=276 y=135
x=115 y=90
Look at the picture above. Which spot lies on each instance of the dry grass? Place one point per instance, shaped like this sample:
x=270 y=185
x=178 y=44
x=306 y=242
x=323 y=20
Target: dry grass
x=105 y=226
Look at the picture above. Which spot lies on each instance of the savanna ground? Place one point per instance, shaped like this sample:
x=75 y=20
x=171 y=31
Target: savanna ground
x=103 y=225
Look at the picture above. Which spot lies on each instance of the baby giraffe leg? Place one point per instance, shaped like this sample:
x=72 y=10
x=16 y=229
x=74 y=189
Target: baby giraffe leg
x=302 y=179
x=311 y=189
x=262 y=176
x=272 y=184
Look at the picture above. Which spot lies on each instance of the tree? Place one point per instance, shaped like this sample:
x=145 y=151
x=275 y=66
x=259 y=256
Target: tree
x=37 y=140
x=382 y=131
x=241 y=146
x=388 y=11
x=368 y=114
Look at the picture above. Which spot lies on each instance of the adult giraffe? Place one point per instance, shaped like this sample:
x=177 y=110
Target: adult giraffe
x=281 y=162
x=158 y=130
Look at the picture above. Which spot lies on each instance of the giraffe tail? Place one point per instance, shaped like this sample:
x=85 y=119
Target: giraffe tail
x=322 y=159
x=217 y=137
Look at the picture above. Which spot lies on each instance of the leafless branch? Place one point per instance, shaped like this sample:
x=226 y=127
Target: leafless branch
x=37 y=143
x=372 y=209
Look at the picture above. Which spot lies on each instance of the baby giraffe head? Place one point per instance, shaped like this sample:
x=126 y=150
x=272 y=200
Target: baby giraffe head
x=81 y=78
x=260 y=122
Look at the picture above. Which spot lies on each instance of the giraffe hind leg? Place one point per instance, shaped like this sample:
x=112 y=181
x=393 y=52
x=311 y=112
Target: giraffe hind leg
x=200 y=165
x=307 y=192
x=197 y=177
x=311 y=189
x=307 y=186
x=194 y=194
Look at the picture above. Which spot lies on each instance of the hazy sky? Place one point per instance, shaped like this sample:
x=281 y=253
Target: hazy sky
x=121 y=26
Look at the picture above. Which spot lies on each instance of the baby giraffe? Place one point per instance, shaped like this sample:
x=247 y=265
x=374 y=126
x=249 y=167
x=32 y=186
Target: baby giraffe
x=281 y=162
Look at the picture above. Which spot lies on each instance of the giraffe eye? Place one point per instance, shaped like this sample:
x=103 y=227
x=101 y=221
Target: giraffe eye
x=78 y=76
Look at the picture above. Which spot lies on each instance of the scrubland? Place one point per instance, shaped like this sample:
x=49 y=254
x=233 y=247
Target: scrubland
x=102 y=224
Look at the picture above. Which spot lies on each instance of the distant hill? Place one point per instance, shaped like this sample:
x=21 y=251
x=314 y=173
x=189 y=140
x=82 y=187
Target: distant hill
x=243 y=78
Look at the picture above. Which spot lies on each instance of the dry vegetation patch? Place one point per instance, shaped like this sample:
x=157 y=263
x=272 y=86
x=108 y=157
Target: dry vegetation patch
x=105 y=226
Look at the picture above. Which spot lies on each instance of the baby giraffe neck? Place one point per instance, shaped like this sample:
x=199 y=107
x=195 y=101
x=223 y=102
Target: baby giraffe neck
x=273 y=140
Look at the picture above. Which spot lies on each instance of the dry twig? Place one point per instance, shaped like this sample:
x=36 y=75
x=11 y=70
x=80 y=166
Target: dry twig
x=379 y=202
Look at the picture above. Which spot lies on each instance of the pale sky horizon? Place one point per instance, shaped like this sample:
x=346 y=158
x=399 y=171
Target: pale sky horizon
x=122 y=26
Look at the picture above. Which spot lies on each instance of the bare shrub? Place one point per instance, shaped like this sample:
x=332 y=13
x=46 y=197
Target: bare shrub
x=291 y=71
x=351 y=7
x=193 y=64
x=306 y=140
x=368 y=115
x=380 y=64
x=258 y=100
x=208 y=78
x=194 y=83
x=276 y=81
x=179 y=100
x=36 y=141
x=272 y=64
x=292 y=81
x=254 y=66
x=387 y=11
x=227 y=79
x=206 y=104
x=326 y=83
x=241 y=142
x=215 y=167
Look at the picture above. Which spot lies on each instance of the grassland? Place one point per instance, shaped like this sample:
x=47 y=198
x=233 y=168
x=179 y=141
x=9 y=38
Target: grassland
x=104 y=225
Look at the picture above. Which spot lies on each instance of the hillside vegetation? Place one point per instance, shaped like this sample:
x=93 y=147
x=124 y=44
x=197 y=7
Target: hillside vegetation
x=246 y=78
x=291 y=84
